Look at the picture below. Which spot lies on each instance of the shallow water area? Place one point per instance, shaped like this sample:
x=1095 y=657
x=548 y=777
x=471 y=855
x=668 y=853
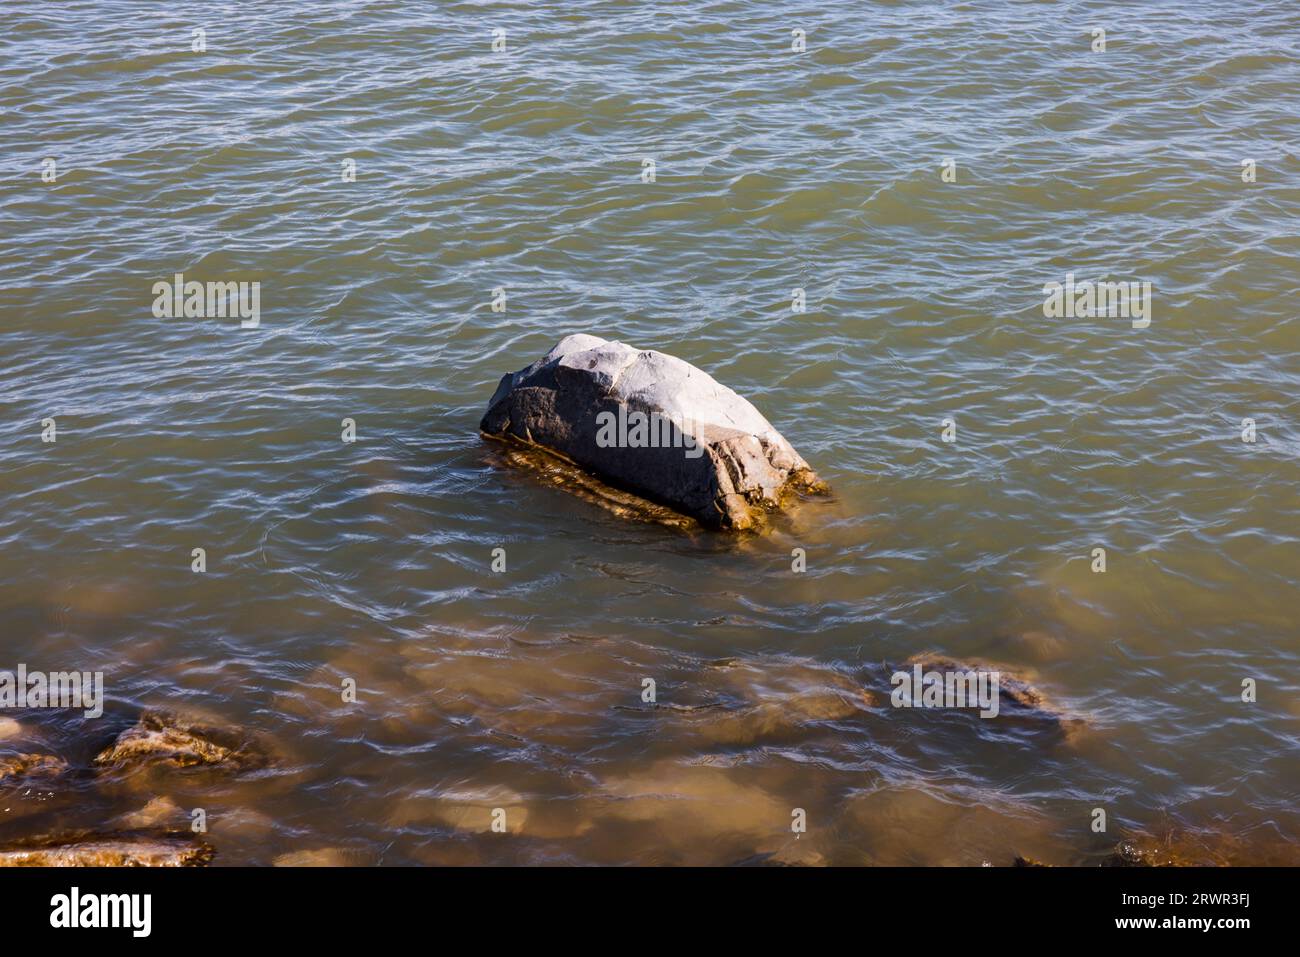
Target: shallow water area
x=522 y=690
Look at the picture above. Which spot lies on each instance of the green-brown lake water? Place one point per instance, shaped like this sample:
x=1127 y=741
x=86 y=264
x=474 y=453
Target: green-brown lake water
x=774 y=169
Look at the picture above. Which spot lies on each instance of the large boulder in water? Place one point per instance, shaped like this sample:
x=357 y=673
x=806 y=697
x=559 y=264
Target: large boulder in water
x=655 y=425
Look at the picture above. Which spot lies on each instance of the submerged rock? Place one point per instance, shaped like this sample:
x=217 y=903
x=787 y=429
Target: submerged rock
x=1145 y=851
x=109 y=850
x=767 y=698
x=916 y=825
x=470 y=809
x=158 y=812
x=1133 y=854
x=1018 y=697
x=561 y=473
x=34 y=784
x=24 y=768
x=1186 y=844
x=655 y=425
x=163 y=739
x=316 y=857
x=695 y=814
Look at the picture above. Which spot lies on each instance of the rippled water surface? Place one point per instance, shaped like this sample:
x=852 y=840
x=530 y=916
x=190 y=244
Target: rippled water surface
x=522 y=169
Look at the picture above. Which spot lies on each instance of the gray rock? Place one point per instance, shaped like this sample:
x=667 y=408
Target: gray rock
x=655 y=425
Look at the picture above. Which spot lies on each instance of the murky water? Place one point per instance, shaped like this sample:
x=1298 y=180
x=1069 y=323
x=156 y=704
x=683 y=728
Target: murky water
x=523 y=169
